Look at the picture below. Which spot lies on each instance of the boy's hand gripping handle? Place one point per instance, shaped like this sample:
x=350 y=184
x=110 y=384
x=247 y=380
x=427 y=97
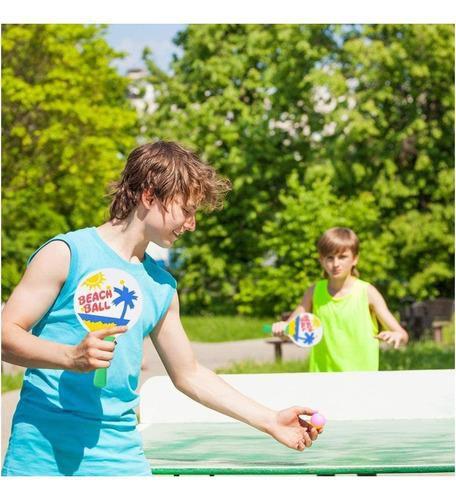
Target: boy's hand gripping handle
x=101 y=374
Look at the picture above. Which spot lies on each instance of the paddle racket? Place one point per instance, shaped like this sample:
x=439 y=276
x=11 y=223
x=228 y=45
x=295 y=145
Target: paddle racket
x=106 y=298
x=305 y=330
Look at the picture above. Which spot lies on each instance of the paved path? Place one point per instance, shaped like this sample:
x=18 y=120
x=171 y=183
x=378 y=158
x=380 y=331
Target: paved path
x=212 y=355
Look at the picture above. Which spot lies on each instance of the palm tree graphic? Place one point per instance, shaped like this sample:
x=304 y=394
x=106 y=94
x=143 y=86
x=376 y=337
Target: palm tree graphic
x=127 y=297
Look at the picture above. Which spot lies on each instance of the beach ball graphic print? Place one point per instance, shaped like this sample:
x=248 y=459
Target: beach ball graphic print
x=107 y=298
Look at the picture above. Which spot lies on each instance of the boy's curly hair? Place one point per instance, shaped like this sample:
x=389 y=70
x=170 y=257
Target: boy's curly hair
x=166 y=170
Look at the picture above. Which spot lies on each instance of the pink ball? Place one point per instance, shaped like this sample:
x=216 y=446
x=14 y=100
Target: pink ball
x=318 y=420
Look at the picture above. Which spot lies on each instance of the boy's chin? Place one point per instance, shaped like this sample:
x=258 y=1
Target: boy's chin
x=163 y=243
x=340 y=274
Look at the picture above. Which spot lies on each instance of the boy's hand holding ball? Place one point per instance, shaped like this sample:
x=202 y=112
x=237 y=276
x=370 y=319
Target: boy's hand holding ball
x=317 y=420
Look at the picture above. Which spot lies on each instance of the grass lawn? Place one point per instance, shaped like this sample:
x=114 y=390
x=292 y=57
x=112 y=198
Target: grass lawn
x=416 y=356
x=250 y=366
x=223 y=328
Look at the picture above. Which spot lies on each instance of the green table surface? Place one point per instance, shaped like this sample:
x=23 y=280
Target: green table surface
x=365 y=447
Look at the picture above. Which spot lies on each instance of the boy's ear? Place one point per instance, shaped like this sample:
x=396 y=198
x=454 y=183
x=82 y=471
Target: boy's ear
x=355 y=261
x=147 y=199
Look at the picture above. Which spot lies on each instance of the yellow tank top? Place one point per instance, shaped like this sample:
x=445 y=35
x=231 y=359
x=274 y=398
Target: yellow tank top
x=348 y=342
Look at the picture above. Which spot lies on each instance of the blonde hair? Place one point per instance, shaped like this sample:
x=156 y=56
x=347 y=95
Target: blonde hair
x=166 y=170
x=336 y=240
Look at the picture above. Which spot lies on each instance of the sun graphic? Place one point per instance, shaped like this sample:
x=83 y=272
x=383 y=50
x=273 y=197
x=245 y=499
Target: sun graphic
x=95 y=281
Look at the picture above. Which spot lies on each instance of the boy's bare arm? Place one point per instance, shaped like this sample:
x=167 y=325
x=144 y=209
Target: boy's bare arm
x=207 y=388
x=305 y=305
x=394 y=333
x=306 y=302
x=30 y=300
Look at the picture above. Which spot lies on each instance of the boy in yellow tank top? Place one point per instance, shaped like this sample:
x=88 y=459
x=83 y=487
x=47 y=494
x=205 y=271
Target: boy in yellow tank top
x=348 y=308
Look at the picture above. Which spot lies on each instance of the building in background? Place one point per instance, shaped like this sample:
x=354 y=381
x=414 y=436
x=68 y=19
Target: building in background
x=141 y=91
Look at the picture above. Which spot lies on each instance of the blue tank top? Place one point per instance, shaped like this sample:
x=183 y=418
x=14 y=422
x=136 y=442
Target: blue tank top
x=70 y=426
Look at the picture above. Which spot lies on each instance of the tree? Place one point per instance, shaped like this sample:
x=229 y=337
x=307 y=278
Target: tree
x=67 y=128
x=397 y=140
x=289 y=262
x=231 y=97
x=316 y=126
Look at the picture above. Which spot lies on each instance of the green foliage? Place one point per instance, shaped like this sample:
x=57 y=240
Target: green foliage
x=448 y=333
x=316 y=126
x=402 y=131
x=290 y=241
x=67 y=128
x=227 y=89
x=12 y=382
x=223 y=328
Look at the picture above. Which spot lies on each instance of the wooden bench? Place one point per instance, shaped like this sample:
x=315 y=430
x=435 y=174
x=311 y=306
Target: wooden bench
x=427 y=317
x=278 y=342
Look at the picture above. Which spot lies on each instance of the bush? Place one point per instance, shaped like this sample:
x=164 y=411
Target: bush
x=448 y=333
x=12 y=382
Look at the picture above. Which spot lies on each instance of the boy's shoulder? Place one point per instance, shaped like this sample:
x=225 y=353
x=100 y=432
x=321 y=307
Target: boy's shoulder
x=373 y=293
x=77 y=233
x=53 y=246
x=364 y=287
x=364 y=284
x=73 y=236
